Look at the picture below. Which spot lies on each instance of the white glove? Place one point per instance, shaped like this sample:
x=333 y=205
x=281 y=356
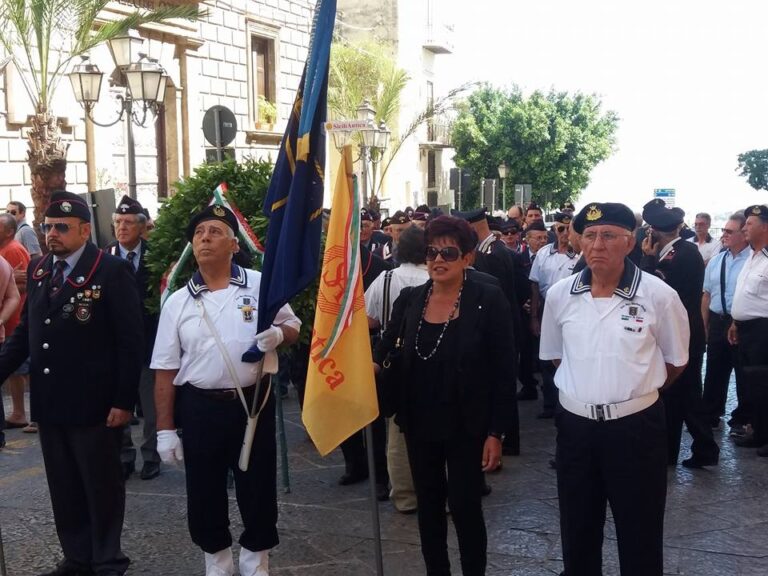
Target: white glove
x=270 y=339
x=169 y=446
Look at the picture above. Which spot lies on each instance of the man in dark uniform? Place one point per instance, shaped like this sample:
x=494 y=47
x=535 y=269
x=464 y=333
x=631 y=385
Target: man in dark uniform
x=353 y=448
x=492 y=257
x=129 y=223
x=680 y=265
x=81 y=327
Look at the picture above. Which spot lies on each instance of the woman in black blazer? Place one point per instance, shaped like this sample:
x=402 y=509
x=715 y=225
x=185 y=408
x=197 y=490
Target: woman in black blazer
x=456 y=394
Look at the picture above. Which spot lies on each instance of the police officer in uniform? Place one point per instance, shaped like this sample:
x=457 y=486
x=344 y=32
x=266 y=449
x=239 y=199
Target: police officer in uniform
x=750 y=325
x=81 y=326
x=617 y=335
x=204 y=329
x=129 y=223
x=680 y=265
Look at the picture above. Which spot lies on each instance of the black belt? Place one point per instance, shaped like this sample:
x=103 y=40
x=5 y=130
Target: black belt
x=723 y=317
x=221 y=394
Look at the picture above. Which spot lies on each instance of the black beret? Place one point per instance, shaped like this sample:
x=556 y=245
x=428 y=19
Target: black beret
x=374 y=213
x=400 y=217
x=385 y=223
x=65 y=204
x=759 y=210
x=563 y=217
x=471 y=216
x=420 y=216
x=365 y=215
x=662 y=218
x=422 y=208
x=536 y=226
x=511 y=225
x=604 y=213
x=128 y=205
x=408 y=210
x=212 y=212
x=567 y=207
x=495 y=223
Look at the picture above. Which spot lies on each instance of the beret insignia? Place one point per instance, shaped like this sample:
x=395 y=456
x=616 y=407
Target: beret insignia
x=66 y=207
x=756 y=210
x=594 y=213
x=218 y=211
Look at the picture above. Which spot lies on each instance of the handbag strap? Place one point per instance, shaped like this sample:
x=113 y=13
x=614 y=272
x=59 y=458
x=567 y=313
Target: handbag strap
x=386 y=307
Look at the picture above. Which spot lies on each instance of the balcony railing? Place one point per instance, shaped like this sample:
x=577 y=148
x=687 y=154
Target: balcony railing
x=439 y=38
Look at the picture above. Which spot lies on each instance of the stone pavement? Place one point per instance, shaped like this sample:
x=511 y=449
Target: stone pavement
x=717 y=519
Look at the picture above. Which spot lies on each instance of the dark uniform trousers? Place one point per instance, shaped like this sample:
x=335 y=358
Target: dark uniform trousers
x=149 y=446
x=85 y=479
x=461 y=456
x=722 y=359
x=356 y=456
x=753 y=353
x=620 y=462
x=213 y=436
x=683 y=403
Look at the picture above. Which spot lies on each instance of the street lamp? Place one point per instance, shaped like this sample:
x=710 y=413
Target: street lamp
x=144 y=79
x=503 y=176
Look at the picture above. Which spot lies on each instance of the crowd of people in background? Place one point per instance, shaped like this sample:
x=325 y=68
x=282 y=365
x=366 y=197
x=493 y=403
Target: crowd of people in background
x=626 y=325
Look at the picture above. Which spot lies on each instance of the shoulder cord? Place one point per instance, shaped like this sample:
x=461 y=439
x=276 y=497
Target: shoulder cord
x=385 y=304
x=228 y=362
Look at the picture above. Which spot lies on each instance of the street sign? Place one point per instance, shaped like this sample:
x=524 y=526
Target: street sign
x=347 y=125
x=523 y=194
x=666 y=194
x=219 y=126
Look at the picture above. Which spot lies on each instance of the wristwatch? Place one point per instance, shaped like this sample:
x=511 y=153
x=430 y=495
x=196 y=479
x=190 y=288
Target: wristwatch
x=498 y=435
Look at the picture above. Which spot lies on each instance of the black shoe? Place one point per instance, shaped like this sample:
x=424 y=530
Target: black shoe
x=353 y=478
x=150 y=470
x=747 y=442
x=382 y=492
x=486 y=489
x=134 y=421
x=553 y=464
x=67 y=568
x=128 y=469
x=546 y=414
x=699 y=462
x=527 y=393
x=763 y=450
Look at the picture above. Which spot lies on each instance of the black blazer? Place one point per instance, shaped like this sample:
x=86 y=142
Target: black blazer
x=482 y=362
x=141 y=276
x=85 y=343
x=500 y=263
x=683 y=269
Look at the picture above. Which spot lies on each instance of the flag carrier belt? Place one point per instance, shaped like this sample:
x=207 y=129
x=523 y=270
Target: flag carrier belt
x=604 y=412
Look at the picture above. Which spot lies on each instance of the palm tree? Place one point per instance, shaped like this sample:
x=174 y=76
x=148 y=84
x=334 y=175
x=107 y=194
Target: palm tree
x=42 y=37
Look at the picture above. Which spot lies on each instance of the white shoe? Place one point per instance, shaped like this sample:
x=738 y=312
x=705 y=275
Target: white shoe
x=220 y=564
x=254 y=563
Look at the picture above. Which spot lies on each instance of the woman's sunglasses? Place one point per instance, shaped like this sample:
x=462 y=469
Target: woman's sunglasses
x=449 y=253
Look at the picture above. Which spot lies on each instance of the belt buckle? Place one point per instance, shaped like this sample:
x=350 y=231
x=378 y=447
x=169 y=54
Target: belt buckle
x=600 y=412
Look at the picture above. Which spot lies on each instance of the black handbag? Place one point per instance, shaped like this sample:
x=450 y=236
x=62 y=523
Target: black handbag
x=389 y=378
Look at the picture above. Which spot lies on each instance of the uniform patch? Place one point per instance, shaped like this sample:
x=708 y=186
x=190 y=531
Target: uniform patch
x=66 y=207
x=246 y=305
x=83 y=312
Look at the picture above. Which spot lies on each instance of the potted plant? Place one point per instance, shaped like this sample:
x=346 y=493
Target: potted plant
x=266 y=114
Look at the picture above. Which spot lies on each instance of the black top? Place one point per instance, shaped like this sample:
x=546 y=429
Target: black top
x=434 y=412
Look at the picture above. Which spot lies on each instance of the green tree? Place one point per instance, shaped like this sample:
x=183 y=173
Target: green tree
x=754 y=167
x=42 y=37
x=549 y=140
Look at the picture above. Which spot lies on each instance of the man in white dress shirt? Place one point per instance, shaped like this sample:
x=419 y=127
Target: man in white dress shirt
x=213 y=316
x=617 y=335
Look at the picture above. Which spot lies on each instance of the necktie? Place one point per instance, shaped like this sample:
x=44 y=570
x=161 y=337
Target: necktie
x=131 y=256
x=722 y=284
x=57 y=280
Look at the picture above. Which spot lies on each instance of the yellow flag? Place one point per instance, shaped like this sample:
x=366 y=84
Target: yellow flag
x=340 y=396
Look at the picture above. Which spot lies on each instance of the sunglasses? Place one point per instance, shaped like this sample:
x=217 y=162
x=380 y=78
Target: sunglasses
x=61 y=227
x=726 y=231
x=11 y=212
x=560 y=229
x=449 y=253
x=512 y=233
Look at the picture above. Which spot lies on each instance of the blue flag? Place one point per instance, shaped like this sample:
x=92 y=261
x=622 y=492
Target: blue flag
x=294 y=201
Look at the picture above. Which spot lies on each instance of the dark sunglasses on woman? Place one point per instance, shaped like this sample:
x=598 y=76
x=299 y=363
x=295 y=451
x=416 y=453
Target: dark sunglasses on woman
x=449 y=253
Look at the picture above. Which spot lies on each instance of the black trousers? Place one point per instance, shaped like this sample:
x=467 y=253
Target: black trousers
x=722 y=359
x=753 y=354
x=621 y=462
x=213 y=436
x=356 y=456
x=548 y=388
x=529 y=351
x=85 y=480
x=149 y=444
x=461 y=457
x=683 y=403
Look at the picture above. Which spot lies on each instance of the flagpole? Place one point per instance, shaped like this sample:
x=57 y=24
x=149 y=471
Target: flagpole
x=3 y=569
x=374 y=501
x=283 y=441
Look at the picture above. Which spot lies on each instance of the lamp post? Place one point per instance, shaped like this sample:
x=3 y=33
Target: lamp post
x=144 y=80
x=503 y=176
x=373 y=141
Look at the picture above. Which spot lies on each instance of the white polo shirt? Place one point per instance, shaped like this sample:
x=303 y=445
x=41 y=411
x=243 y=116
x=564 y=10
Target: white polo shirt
x=708 y=250
x=185 y=343
x=404 y=275
x=550 y=266
x=613 y=349
x=750 y=298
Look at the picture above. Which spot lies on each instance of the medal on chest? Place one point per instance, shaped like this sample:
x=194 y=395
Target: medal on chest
x=246 y=307
x=82 y=304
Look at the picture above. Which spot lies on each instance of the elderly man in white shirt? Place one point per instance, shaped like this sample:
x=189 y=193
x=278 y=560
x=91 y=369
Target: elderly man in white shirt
x=203 y=331
x=617 y=335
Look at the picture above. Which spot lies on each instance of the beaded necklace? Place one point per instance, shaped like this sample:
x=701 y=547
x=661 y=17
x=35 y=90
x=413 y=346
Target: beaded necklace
x=445 y=326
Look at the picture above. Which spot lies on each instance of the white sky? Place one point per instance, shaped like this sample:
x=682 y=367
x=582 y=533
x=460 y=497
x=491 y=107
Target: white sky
x=686 y=78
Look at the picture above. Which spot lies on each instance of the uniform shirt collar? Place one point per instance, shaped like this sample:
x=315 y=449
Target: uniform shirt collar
x=197 y=285
x=71 y=260
x=667 y=248
x=628 y=283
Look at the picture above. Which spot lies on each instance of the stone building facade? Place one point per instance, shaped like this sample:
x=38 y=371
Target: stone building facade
x=241 y=50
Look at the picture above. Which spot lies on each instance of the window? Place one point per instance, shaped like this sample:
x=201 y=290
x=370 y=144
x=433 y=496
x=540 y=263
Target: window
x=262 y=73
